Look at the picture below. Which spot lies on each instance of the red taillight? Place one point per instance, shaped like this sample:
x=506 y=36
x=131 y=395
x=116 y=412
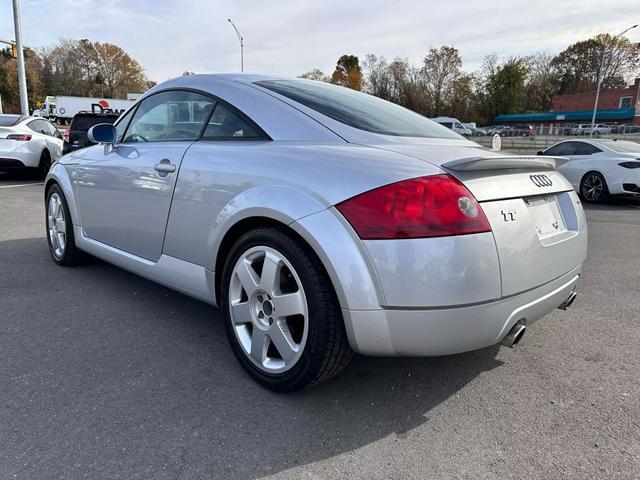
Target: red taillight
x=21 y=137
x=434 y=206
x=65 y=135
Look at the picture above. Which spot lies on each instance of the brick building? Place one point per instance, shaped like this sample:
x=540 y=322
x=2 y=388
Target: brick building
x=615 y=106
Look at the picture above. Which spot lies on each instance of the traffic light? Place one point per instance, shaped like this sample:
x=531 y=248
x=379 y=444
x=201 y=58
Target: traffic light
x=14 y=51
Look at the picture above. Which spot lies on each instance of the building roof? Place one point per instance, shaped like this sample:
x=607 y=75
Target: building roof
x=577 y=115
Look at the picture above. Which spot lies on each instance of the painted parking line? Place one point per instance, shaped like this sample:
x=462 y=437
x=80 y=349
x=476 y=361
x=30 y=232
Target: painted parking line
x=21 y=185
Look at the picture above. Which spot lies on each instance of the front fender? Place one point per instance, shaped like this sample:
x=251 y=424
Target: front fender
x=61 y=174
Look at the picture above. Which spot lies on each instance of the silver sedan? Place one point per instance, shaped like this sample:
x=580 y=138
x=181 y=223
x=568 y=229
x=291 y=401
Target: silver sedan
x=322 y=221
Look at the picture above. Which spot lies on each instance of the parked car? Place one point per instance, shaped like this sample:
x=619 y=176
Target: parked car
x=501 y=130
x=600 y=168
x=628 y=128
x=569 y=129
x=453 y=124
x=599 y=129
x=75 y=137
x=521 y=131
x=28 y=143
x=322 y=221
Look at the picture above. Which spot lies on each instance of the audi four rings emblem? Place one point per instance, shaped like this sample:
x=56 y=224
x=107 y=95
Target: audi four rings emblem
x=541 y=180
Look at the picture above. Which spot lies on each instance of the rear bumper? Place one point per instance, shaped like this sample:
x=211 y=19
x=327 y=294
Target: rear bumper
x=433 y=332
x=10 y=164
x=19 y=158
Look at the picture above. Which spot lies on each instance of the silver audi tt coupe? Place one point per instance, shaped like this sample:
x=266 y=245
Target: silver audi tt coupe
x=322 y=221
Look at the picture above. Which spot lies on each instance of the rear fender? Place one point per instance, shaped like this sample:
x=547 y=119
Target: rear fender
x=341 y=254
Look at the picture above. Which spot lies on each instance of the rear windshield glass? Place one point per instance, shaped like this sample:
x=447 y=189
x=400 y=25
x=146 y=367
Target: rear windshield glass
x=85 y=123
x=623 y=146
x=8 y=120
x=357 y=109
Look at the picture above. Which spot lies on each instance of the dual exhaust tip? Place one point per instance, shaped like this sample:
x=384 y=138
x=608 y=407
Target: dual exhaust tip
x=514 y=336
x=518 y=330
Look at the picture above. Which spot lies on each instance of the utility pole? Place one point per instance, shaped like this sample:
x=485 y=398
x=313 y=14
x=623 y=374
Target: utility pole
x=241 y=44
x=22 y=78
x=601 y=78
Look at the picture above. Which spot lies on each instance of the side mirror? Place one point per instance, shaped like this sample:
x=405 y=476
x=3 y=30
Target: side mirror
x=104 y=133
x=540 y=153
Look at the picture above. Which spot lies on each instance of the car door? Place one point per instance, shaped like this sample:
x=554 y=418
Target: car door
x=579 y=161
x=125 y=192
x=567 y=150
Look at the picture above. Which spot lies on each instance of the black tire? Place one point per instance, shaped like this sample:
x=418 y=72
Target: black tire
x=69 y=255
x=44 y=165
x=326 y=351
x=593 y=188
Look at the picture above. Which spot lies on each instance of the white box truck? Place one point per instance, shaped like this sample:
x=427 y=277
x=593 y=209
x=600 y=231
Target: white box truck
x=62 y=109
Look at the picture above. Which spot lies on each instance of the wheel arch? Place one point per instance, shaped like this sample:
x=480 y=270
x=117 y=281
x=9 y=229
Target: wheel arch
x=590 y=171
x=58 y=175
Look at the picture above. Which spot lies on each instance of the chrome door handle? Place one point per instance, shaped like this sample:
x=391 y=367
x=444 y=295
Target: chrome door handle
x=165 y=167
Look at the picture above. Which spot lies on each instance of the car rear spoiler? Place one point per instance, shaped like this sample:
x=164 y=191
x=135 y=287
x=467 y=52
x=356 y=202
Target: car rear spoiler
x=506 y=162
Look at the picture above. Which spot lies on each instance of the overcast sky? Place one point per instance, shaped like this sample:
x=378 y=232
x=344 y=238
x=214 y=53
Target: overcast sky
x=290 y=37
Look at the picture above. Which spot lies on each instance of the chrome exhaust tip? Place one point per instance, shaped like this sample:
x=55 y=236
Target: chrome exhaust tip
x=514 y=336
x=569 y=301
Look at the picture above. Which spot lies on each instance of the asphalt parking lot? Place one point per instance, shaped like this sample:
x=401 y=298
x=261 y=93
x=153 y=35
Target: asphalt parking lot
x=106 y=375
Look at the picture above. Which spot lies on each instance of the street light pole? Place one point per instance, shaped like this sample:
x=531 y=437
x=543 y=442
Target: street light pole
x=22 y=79
x=241 y=44
x=600 y=78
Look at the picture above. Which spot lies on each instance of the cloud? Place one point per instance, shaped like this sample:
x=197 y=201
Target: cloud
x=291 y=37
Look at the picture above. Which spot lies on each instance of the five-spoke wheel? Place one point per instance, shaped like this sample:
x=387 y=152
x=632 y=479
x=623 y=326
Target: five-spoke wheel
x=59 y=227
x=282 y=316
x=268 y=309
x=56 y=225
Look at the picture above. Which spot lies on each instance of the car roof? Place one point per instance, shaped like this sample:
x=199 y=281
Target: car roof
x=6 y=119
x=605 y=143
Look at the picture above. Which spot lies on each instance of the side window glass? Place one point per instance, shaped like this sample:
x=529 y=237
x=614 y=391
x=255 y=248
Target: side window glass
x=169 y=116
x=51 y=130
x=123 y=123
x=586 y=149
x=37 y=126
x=227 y=124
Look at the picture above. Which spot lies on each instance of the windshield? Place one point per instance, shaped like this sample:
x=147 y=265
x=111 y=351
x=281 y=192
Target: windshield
x=357 y=109
x=623 y=146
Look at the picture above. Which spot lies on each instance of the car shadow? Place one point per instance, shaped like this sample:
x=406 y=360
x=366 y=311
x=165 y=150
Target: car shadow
x=110 y=375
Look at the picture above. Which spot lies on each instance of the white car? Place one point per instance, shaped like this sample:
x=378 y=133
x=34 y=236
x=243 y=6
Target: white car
x=599 y=168
x=599 y=129
x=28 y=143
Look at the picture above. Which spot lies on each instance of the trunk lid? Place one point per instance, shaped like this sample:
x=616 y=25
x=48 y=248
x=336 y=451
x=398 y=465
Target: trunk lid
x=536 y=217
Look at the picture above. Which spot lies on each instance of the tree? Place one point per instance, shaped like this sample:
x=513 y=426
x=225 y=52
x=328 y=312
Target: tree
x=500 y=87
x=579 y=65
x=378 y=80
x=543 y=82
x=315 y=74
x=348 y=72
x=441 y=68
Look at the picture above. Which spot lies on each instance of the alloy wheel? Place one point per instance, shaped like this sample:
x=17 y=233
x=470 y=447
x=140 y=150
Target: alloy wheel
x=56 y=225
x=592 y=187
x=268 y=309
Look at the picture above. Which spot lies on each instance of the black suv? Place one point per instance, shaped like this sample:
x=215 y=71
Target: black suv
x=75 y=137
